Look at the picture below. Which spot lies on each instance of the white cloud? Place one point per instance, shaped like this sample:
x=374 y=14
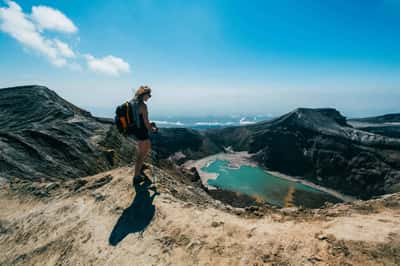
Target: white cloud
x=18 y=25
x=64 y=49
x=109 y=65
x=27 y=29
x=52 y=19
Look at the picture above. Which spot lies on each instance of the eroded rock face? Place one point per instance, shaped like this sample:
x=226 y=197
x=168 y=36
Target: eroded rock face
x=317 y=144
x=386 y=125
x=320 y=146
x=44 y=136
x=181 y=144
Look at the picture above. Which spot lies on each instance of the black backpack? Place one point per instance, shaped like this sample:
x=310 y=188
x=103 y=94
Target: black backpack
x=124 y=120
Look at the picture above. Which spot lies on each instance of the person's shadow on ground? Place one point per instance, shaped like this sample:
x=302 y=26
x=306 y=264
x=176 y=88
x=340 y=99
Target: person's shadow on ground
x=137 y=216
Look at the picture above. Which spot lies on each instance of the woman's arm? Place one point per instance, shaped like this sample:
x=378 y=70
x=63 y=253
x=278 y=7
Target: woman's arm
x=146 y=117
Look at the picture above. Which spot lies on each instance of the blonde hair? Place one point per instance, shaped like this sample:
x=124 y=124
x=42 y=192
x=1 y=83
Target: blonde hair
x=141 y=92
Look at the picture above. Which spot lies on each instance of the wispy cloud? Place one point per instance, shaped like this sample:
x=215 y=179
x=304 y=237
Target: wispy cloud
x=109 y=65
x=19 y=26
x=64 y=49
x=29 y=30
x=52 y=19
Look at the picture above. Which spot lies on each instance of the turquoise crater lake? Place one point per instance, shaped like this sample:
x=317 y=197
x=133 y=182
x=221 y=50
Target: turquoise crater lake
x=256 y=182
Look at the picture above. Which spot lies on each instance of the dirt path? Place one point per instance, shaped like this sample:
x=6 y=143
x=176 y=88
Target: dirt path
x=76 y=228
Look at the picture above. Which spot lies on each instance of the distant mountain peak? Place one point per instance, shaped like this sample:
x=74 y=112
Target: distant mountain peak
x=387 y=118
x=331 y=113
x=311 y=118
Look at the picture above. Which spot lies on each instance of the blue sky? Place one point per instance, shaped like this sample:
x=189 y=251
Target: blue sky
x=208 y=57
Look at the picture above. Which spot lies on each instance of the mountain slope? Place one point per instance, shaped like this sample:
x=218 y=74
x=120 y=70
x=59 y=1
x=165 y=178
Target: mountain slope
x=53 y=210
x=386 y=125
x=44 y=136
x=388 y=118
x=181 y=144
x=319 y=145
x=101 y=220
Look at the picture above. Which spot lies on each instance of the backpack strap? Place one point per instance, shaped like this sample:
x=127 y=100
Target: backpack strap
x=127 y=113
x=135 y=105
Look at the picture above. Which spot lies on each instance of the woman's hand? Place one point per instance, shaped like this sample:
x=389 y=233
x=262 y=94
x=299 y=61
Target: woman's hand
x=154 y=128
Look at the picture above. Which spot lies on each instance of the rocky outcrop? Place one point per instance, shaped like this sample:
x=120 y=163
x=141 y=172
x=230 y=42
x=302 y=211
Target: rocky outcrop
x=316 y=144
x=64 y=220
x=44 y=136
x=319 y=145
x=386 y=125
x=388 y=118
x=104 y=220
x=181 y=144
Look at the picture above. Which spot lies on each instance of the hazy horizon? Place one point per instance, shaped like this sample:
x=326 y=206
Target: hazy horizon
x=110 y=112
x=211 y=58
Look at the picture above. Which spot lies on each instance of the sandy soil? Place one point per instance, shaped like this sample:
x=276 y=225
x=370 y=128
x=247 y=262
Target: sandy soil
x=243 y=158
x=74 y=225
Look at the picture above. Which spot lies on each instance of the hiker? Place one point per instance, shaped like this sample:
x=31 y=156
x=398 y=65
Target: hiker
x=143 y=127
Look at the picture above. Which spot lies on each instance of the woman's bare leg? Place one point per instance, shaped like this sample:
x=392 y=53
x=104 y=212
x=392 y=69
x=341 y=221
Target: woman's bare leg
x=144 y=148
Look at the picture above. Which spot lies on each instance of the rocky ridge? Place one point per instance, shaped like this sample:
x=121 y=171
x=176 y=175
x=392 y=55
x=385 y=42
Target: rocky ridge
x=103 y=220
x=42 y=136
x=320 y=146
x=68 y=216
x=60 y=140
x=386 y=125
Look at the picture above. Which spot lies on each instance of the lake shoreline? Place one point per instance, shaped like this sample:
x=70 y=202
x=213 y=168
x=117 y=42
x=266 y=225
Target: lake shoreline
x=238 y=159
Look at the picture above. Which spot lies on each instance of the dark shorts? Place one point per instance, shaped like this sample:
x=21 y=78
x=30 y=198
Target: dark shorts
x=140 y=134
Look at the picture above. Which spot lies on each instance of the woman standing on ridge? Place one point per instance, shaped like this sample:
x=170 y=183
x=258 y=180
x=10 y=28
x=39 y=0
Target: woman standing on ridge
x=142 y=128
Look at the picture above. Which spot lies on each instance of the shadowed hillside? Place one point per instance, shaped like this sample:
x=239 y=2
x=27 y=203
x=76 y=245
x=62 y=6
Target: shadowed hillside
x=44 y=136
x=103 y=220
x=315 y=144
x=53 y=210
x=386 y=125
x=320 y=146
